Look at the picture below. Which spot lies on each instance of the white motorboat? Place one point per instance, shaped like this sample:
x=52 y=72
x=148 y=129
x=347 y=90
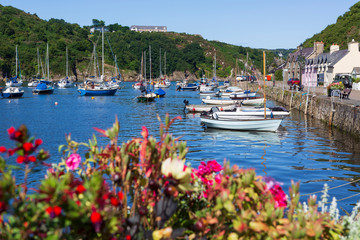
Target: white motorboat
x=253 y=102
x=229 y=90
x=260 y=124
x=242 y=95
x=243 y=113
x=210 y=101
x=206 y=108
x=65 y=83
x=12 y=92
x=33 y=83
x=206 y=88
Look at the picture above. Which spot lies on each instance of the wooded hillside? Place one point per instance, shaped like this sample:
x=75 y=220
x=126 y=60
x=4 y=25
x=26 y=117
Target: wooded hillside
x=190 y=53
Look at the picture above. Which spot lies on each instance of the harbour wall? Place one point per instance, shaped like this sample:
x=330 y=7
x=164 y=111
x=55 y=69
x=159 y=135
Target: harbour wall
x=343 y=114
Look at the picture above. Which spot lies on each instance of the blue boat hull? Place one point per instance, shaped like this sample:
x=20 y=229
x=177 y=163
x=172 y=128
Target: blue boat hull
x=189 y=88
x=12 y=95
x=89 y=92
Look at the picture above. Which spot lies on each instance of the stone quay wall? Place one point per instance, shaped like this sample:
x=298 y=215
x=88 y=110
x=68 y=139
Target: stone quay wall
x=343 y=114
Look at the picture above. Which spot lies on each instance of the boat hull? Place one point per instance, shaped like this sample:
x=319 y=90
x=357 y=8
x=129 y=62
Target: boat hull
x=206 y=108
x=97 y=92
x=266 y=125
x=43 y=91
x=13 y=95
x=219 y=102
x=243 y=115
x=145 y=99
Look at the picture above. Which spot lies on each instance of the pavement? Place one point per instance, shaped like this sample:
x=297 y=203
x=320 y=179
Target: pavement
x=354 y=97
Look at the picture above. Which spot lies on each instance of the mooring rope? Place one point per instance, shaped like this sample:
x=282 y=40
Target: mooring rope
x=332 y=189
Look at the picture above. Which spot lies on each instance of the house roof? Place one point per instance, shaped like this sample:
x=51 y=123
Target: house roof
x=306 y=52
x=337 y=56
x=327 y=58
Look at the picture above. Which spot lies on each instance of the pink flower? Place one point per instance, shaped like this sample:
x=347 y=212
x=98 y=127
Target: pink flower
x=73 y=161
x=276 y=191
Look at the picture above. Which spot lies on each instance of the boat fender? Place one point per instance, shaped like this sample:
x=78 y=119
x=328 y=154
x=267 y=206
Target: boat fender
x=221 y=109
x=215 y=116
x=193 y=109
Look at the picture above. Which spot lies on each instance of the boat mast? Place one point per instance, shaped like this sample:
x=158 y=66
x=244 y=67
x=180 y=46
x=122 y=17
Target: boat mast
x=47 y=61
x=145 y=65
x=116 y=73
x=264 y=59
x=67 y=64
x=150 y=61
x=38 y=61
x=215 y=67
x=160 y=65
x=16 y=60
x=94 y=60
x=165 y=63
x=142 y=66
x=103 y=62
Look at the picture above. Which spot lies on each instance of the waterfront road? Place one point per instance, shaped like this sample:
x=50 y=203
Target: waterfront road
x=354 y=97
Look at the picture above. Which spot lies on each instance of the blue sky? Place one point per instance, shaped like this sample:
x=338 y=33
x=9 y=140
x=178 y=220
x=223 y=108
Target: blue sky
x=251 y=23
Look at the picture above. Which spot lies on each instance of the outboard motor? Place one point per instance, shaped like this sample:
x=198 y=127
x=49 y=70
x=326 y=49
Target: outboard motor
x=186 y=102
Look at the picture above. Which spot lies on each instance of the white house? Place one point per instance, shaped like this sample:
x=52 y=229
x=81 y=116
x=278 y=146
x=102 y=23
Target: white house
x=323 y=68
x=137 y=28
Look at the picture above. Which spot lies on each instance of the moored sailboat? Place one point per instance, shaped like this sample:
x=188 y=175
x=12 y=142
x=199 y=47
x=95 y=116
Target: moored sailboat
x=66 y=82
x=96 y=86
x=45 y=86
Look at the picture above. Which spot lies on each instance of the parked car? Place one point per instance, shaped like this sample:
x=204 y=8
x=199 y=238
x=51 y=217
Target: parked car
x=345 y=78
x=293 y=81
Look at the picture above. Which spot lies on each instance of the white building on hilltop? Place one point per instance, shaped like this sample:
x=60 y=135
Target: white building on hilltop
x=137 y=28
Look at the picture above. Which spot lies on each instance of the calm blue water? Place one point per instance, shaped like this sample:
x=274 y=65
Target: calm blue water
x=303 y=150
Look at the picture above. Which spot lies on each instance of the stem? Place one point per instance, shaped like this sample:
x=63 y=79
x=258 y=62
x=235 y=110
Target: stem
x=25 y=180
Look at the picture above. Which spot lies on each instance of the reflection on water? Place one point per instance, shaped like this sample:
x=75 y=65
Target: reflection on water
x=255 y=137
x=303 y=149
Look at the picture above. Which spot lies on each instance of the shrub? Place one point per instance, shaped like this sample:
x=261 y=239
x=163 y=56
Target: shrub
x=142 y=189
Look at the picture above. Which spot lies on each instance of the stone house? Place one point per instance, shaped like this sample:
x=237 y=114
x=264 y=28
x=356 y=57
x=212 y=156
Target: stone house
x=321 y=70
x=137 y=28
x=292 y=64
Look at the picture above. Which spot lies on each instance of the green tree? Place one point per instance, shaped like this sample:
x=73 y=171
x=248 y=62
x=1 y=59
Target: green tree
x=279 y=75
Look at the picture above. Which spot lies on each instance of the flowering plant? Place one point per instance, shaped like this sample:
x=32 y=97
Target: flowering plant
x=143 y=189
x=336 y=86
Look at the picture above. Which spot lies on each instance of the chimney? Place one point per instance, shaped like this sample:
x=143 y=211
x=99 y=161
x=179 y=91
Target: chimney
x=353 y=46
x=334 y=48
x=318 y=48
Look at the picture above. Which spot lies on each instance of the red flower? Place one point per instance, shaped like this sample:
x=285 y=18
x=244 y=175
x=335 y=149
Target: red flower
x=27 y=146
x=114 y=201
x=20 y=159
x=53 y=211
x=2 y=149
x=11 y=130
x=145 y=132
x=57 y=210
x=121 y=196
x=80 y=189
x=95 y=217
x=49 y=210
x=128 y=237
x=17 y=134
x=32 y=158
x=38 y=142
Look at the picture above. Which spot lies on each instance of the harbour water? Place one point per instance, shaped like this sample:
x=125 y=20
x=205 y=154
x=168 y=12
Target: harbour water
x=303 y=150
